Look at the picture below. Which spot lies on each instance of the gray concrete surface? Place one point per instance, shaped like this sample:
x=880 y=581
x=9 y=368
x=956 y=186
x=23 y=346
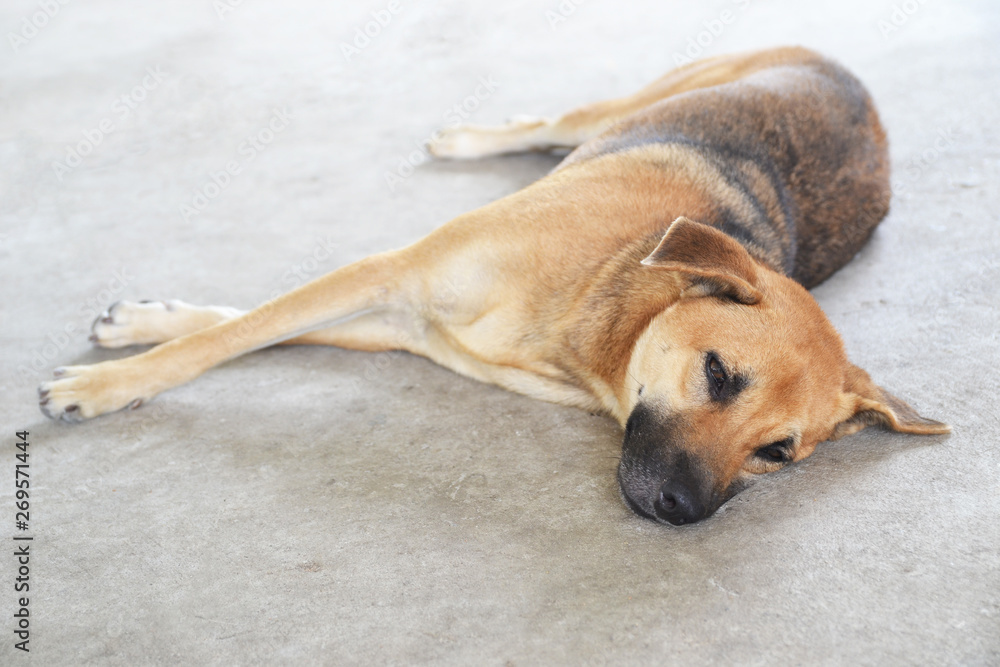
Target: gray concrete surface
x=321 y=506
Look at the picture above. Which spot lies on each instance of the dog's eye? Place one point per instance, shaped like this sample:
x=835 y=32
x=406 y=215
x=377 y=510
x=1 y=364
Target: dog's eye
x=716 y=373
x=776 y=452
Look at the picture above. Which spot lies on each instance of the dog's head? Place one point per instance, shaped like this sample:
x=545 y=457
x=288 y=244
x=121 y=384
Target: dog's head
x=740 y=376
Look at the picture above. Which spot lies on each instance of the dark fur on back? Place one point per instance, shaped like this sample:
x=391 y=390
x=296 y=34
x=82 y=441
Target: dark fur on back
x=803 y=146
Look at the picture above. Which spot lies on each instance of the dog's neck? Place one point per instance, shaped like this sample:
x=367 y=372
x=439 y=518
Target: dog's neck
x=624 y=297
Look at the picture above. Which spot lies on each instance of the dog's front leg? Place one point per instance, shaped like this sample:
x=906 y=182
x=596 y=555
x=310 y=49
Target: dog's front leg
x=358 y=292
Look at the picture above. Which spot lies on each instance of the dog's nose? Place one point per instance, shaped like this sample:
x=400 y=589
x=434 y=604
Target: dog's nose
x=678 y=504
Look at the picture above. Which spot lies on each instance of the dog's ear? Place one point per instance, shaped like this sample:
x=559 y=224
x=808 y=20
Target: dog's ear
x=870 y=405
x=715 y=264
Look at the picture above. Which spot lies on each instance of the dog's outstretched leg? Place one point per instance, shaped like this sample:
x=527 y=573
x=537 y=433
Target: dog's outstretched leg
x=369 y=300
x=153 y=322
x=519 y=134
x=527 y=133
x=127 y=323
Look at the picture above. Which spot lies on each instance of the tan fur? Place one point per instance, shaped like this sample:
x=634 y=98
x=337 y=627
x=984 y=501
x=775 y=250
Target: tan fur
x=545 y=292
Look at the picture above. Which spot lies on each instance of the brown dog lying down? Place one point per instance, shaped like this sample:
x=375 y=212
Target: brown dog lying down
x=657 y=275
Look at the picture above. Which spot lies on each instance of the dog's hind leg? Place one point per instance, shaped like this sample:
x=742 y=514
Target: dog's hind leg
x=127 y=323
x=153 y=322
x=518 y=135
x=368 y=302
x=526 y=133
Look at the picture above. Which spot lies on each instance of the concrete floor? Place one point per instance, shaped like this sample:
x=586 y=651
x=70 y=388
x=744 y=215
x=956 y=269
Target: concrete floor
x=321 y=506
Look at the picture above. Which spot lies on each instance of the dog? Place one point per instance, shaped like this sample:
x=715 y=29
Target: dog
x=658 y=274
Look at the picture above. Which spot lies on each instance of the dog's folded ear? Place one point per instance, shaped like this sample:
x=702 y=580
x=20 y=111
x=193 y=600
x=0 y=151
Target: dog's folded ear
x=870 y=405
x=715 y=264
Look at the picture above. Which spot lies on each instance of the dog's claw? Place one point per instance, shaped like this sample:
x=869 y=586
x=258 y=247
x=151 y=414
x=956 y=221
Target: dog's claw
x=59 y=372
x=131 y=323
x=79 y=393
x=107 y=317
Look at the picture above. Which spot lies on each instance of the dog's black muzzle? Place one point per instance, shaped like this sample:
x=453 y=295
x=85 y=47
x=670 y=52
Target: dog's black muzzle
x=658 y=479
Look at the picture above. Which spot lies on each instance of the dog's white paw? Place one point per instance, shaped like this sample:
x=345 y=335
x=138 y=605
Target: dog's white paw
x=454 y=142
x=82 y=392
x=128 y=323
x=472 y=141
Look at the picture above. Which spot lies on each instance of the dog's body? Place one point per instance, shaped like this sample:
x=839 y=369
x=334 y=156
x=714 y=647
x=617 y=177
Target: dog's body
x=594 y=286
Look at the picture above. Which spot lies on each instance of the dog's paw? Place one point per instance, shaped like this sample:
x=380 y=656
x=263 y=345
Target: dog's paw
x=471 y=141
x=453 y=142
x=82 y=392
x=127 y=323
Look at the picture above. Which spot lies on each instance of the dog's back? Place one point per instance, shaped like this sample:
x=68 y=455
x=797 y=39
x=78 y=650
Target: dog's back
x=799 y=141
